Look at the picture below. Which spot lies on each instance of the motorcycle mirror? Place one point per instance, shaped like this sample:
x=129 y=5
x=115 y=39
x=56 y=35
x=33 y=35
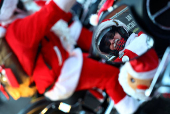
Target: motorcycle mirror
x=134 y=46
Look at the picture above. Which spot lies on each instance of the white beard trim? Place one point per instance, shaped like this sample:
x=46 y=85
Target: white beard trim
x=62 y=30
x=123 y=82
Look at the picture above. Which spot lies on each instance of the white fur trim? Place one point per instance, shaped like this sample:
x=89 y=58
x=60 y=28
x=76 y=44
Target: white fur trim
x=62 y=30
x=75 y=30
x=65 y=5
x=125 y=59
x=3 y=72
x=127 y=105
x=2 y=32
x=94 y=19
x=138 y=45
x=130 y=39
x=69 y=77
x=140 y=75
x=31 y=6
x=57 y=51
x=110 y=9
x=7 y=9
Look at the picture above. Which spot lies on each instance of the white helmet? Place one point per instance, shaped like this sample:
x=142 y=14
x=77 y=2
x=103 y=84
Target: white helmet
x=107 y=30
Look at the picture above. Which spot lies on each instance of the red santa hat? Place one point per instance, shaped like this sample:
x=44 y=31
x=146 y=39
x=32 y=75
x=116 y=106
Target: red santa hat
x=94 y=19
x=7 y=9
x=143 y=67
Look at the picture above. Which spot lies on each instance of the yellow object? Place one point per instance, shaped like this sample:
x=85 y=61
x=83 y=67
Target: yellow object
x=22 y=91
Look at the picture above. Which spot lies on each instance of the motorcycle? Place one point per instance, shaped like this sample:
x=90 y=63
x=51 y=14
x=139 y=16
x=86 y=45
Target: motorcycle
x=144 y=18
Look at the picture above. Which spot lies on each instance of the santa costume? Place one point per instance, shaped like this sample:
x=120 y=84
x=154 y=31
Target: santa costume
x=58 y=63
x=136 y=76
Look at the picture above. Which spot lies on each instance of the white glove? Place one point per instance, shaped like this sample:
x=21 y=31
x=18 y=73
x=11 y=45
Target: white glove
x=127 y=105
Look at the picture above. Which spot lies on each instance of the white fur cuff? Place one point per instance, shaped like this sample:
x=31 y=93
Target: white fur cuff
x=127 y=105
x=69 y=77
x=75 y=30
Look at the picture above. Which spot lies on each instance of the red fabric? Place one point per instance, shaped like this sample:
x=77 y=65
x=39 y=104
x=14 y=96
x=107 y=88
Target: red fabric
x=128 y=53
x=100 y=75
x=40 y=2
x=85 y=39
x=120 y=45
x=11 y=78
x=25 y=44
x=41 y=73
x=3 y=26
x=33 y=29
x=68 y=17
x=1 y=68
x=166 y=95
x=105 y=6
x=96 y=94
x=149 y=61
x=140 y=33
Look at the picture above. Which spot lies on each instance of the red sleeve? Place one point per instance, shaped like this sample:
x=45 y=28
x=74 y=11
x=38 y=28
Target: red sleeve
x=31 y=29
x=85 y=39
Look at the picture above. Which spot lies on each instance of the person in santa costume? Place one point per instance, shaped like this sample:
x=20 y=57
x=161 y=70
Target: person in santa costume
x=136 y=76
x=58 y=64
x=115 y=42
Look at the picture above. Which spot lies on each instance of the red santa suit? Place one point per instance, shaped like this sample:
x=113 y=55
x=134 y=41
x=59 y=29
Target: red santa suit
x=66 y=68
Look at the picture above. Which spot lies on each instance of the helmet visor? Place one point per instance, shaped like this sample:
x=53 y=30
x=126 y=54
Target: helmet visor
x=103 y=43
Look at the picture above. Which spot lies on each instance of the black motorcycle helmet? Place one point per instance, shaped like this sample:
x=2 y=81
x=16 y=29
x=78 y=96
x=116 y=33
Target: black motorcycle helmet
x=106 y=31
